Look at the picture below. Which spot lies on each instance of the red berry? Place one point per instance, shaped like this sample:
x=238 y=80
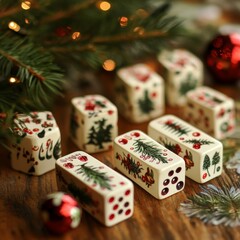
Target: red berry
x=196 y=134
x=68 y=165
x=197 y=145
x=135 y=134
x=123 y=141
x=83 y=158
x=110 y=112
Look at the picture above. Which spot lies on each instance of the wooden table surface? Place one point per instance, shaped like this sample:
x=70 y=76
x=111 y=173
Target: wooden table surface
x=21 y=195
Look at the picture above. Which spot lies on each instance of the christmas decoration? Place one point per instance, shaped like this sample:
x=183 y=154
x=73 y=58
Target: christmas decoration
x=222 y=58
x=152 y=166
x=100 y=190
x=149 y=150
x=215 y=205
x=203 y=154
x=60 y=212
x=40 y=40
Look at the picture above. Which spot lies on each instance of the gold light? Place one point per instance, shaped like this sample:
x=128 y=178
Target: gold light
x=14 y=26
x=109 y=65
x=27 y=21
x=13 y=80
x=26 y=5
x=139 y=30
x=104 y=5
x=123 y=21
x=76 y=35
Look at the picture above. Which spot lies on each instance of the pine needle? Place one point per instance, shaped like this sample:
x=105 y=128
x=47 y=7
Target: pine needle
x=215 y=205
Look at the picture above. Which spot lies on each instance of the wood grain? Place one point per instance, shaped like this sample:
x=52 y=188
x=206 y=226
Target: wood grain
x=21 y=195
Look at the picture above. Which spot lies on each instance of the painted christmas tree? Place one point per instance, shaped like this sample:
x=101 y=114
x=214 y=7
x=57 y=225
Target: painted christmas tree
x=100 y=133
x=176 y=128
x=146 y=104
x=215 y=160
x=93 y=174
x=187 y=85
x=197 y=143
x=149 y=151
x=206 y=164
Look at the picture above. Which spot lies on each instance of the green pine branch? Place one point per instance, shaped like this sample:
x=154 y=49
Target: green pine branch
x=215 y=205
x=43 y=45
x=198 y=141
x=176 y=128
x=149 y=149
x=92 y=174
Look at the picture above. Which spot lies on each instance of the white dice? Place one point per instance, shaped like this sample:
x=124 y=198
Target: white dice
x=38 y=143
x=202 y=153
x=152 y=166
x=183 y=71
x=139 y=93
x=210 y=111
x=93 y=124
x=104 y=193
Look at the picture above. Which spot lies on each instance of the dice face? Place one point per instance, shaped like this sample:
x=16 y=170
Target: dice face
x=104 y=193
x=40 y=143
x=183 y=72
x=93 y=124
x=203 y=155
x=139 y=93
x=210 y=111
x=152 y=166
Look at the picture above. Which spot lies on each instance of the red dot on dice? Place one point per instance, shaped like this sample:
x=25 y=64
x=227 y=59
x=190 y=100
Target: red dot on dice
x=127 y=192
x=128 y=212
x=111 y=199
x=60 y=213
x=111 y=217
x=204 y=175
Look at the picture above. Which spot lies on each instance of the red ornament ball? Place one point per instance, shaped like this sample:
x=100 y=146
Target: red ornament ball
x=60 y=213
x=223 y=58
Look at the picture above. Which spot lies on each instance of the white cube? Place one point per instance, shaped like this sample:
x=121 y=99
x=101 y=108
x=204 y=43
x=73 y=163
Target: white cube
x=139 y=93
x=93 y=124
x=152 y=166
x=102 y=192
x=38 y=143
x=210 y=111
x=203 y=155
x=183 y=71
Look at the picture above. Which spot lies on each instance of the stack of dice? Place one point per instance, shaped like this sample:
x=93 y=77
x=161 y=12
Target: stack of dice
x=157 y=161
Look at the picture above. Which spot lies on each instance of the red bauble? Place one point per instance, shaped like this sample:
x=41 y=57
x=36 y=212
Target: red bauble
x=223 y=58
x=60 y=212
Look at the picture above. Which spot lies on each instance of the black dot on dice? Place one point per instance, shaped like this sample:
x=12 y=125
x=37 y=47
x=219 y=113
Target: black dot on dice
x=170 y=173
x=179 y=185
x=126 y=204
x=120 y=211
x=120 y=199
x=165 y=191
x=174 y=180
x=178 y=170
x=166 y=182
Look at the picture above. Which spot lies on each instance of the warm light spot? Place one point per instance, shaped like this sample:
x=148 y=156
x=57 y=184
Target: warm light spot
x=14 y=26
x=123 y=21
x=27 y=21
x=76 y=35
x=109 y=65
x=26 y=5
x=104 y=5
x=139 y=30
x=13 y=80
